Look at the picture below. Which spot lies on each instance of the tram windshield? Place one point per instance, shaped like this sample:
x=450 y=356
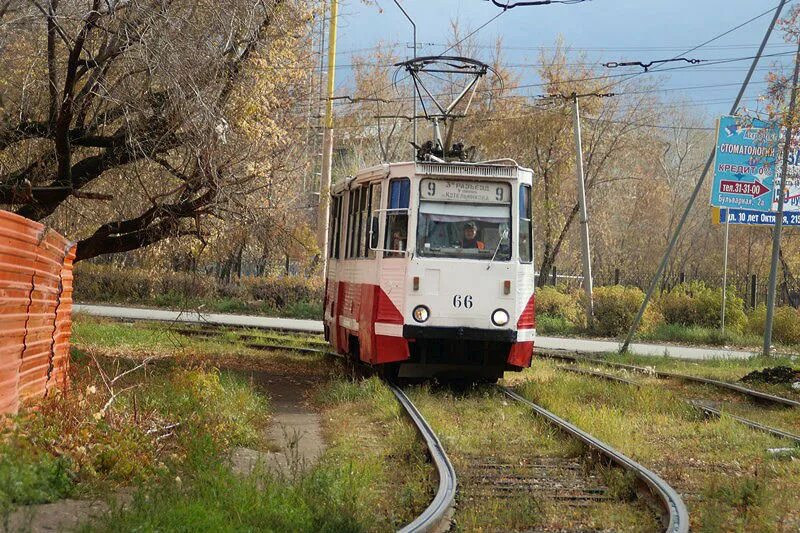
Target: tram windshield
x=464 y=219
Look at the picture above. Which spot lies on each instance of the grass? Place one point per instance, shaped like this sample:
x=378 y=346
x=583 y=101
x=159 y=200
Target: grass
x=699 y=335
x=483 y=426
x=374 y=476
x=725 y=369
x=163 y=339
x=731 y=481
x=81 y=443
x=366 y=430
x=210 y=497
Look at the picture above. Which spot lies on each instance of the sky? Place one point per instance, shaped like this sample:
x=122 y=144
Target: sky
x=605 y=30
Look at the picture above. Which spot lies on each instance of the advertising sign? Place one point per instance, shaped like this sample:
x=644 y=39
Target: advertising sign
x=754 y=218
x=744 y=169
x=791 y=201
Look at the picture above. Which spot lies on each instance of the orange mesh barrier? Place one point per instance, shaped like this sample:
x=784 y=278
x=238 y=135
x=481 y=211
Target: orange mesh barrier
x=35 y=309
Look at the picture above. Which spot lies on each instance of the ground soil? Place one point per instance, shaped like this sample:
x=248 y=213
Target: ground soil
x=776 y=375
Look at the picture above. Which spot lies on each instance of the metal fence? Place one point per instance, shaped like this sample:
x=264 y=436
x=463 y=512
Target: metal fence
x=35 y=309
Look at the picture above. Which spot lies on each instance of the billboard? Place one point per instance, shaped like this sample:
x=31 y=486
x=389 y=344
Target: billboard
x=791 y=199
x=744 y=167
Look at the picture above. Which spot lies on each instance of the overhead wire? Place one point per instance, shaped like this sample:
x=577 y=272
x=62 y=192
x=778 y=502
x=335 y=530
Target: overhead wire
x=699 y=46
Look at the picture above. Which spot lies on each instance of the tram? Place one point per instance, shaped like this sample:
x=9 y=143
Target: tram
x=430 y=269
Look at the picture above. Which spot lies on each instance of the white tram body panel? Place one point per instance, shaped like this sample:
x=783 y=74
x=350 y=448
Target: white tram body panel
x=431 y=268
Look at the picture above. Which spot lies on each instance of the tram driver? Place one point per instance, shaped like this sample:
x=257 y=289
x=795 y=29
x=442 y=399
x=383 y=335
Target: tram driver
x=471 y=237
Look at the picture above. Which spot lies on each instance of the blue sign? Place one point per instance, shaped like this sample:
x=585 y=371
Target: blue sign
x=744 y=169
x=757 y=218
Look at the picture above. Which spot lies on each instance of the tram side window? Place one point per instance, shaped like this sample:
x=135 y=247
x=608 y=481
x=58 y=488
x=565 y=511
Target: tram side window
x=397 y=217
x=525 y=226
x=335 y=227
x=352 y=223
x=363 y=222
x=373 y=228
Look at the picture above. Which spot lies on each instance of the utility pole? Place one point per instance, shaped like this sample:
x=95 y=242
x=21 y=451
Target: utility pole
x=584 y=217
x=323 y=213
x=665 y=259
x=413 y=90
x=776 y=232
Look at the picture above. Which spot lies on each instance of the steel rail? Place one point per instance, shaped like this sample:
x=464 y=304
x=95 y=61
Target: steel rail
x=670 y=499
x=699 y=405
x=713 y=411
x=437 y=511
x=764 y=396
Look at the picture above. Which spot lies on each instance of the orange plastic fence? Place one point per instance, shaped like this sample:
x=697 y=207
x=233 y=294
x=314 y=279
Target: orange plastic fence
x=35 y=309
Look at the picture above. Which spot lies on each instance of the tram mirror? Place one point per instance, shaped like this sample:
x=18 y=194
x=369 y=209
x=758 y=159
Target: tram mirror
x=373 y=233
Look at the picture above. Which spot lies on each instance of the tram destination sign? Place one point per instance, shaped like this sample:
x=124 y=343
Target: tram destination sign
x=744 y=168
x=472 y=192
x=755 y=218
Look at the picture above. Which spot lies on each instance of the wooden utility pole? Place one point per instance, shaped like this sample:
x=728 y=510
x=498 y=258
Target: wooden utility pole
x=323 y=213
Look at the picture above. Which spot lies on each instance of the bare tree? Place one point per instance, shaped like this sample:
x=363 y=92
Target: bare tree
x=166 y=111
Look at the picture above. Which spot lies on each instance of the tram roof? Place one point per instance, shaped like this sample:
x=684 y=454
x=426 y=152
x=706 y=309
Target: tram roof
x=465 y=170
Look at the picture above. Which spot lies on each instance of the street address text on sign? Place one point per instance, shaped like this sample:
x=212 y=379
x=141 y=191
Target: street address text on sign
x=744 y=169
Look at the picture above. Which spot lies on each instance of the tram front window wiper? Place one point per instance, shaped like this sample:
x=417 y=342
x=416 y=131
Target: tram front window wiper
x=503 y=239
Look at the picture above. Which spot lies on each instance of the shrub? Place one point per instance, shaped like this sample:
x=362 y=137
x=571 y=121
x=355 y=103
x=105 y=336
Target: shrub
x=785 y=323
x=186 y=285
x=277 y=292
x=554 y=303
x=293 y=295
x=616 y=307
x=107 y=283
x=695 y=304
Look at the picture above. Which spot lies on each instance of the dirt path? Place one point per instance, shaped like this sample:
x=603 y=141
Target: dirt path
x=295 y=429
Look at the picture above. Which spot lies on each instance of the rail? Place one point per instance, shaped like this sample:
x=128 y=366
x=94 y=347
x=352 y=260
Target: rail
x=437 y=512
x=698 y=405
x=763 y=396
x=670 y=500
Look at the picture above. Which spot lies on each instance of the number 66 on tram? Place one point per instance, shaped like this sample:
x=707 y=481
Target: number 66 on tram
x=430 y=270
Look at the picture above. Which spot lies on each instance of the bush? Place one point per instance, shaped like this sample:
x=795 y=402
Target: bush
x=295 y=296
x=278 y=292
x=554 y=303
x=785 y=324
x=695 y=304
x=104 y=283
x=616 y=307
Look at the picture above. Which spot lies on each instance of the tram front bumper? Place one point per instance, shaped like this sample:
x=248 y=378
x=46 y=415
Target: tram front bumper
x=459 y=333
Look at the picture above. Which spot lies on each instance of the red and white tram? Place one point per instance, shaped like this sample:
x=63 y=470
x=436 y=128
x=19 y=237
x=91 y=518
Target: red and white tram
x=430 y=270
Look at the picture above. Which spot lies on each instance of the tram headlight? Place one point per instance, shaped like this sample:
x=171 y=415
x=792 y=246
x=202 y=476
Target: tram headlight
x=421 y=313
x=500 y=317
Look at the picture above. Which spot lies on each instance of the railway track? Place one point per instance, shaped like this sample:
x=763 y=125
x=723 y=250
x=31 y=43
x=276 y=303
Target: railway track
x=753 y=394
x=436 y=516
x=564 y=480
x=677 y=517
x=705 y=408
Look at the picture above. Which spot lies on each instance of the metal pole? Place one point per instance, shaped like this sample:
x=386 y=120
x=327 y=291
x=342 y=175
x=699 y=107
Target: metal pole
x=323 y=213
x=584 y=217
x=776 y=233
x=676 y=234
x=725 y=272
x=413 y=90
